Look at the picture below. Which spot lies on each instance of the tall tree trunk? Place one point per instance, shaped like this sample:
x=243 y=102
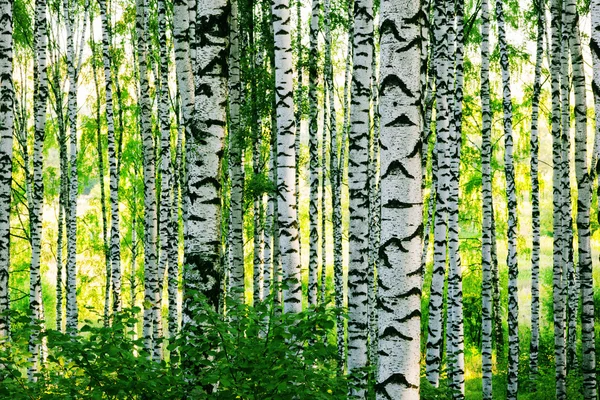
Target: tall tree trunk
x=286 y=161
x=55 y=87
x=511 y=260
x=334 y=178
x=442 y=61
x=558 y=299
x=115 y=243
x=6 y=153
x=185 y=85
x=571 y=289
x=450 y=287
x=236 y=167
x=166 y=227
x=71 y=208
x=323 y=184
x=358 y=184
x=204 y=145
x=59 y=252
x=313 y=83
x=487 y=221
x=256 y=129
x=455 y=272
x=374 y=210
x=535 y=202
x=40 y=97
x=150 y=265
x=399 y=271
x=298 y=102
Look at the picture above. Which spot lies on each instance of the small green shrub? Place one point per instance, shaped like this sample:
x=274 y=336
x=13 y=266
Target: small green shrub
x=251 y=353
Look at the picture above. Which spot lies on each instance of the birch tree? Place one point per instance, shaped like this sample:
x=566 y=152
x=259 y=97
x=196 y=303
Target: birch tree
x=6 y=154
x=511 y=261
x=486 y=228
x=236 y=167
x=313 y=128
x=557 y=284
x=399 y=272
x=584 y=189
x=115 y=242
x=442 y=61
x=203 y=271
x=40 y=97
x=287 y=219
x=359 y=193
x=335 y=181
x=150 y=267
x=535 y=197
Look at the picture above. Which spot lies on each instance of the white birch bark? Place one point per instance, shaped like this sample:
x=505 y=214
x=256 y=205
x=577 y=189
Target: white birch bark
x=287 y=219
x=486 y=182
x=115 y=243
x=6 y=152
x=399 y=270
x=150 y=261
x=535 y=202
x=442 y=61
x=511 y=261
x=313 y=82
x=40 y=97
x=204 y=146
x=335 y=181
x=236 y=167
x=358 y=163
x=558 y=284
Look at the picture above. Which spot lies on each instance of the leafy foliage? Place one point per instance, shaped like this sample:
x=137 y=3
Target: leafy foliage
x=251 y=353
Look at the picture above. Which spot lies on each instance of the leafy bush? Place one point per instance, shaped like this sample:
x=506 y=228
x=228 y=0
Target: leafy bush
x=260 y=353
x=251 y=353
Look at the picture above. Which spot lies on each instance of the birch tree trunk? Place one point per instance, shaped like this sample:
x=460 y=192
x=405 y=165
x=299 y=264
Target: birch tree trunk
x=558 y=299
x=323 y=163
x=299 y=98
x=256 y=130
x=571 y=288
x=71 y=214
x=486 y=226
x=313 y=83
x=185 y=85
x=287 y=219
x=511 y=261
x=535 y=202
x=150 y=265
x=584 y=189
x=40 y=97
x=442 y=61
x=455 y=273
x=166 y=227
x=115 y=243
x=335 y=181
x=55 y=87
x=358 y=183
x=399 y=271
x=374 y=210
x=6 y=154
x=236 y=167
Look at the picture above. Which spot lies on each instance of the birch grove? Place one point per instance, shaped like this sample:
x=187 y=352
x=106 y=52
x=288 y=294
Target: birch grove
x=276 y=200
